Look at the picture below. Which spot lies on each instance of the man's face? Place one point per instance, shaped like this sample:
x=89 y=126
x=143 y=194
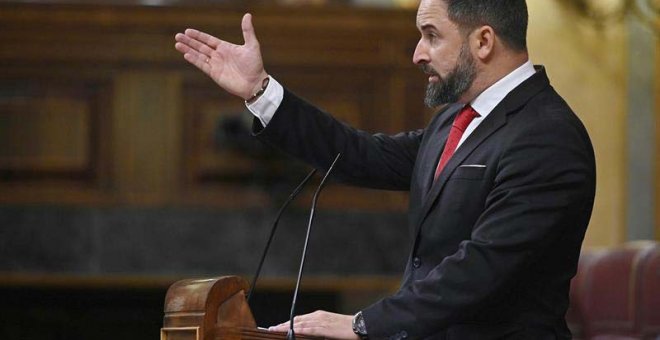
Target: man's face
x=444 y=54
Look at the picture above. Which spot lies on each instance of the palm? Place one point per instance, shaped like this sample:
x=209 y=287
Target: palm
x=236 y=68
x=235 y=63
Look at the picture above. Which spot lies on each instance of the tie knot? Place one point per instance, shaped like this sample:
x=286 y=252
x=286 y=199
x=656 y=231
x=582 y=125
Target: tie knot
x=465 y=117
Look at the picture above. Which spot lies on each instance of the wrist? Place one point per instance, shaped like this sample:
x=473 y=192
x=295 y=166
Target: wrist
x=257 y=88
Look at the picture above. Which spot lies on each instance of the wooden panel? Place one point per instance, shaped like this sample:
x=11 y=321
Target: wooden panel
x=53 y=138
x=221 y=133
x=162 y=133
x=49 y=134
x=49 y=129
x=289 y=36
x=147 y=136
x=217 y=138
x=348 y=94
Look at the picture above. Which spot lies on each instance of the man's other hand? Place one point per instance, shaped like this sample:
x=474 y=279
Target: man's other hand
x=321 y=324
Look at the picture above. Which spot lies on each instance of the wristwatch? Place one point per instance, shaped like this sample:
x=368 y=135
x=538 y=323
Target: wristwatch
x=359 y=326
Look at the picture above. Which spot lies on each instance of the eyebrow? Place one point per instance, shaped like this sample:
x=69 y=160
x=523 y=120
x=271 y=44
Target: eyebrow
x=427 y=27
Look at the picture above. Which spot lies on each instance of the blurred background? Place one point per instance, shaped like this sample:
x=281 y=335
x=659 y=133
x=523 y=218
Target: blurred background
x=124 y=169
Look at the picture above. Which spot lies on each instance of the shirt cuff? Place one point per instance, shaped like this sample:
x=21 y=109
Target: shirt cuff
x=266 y=105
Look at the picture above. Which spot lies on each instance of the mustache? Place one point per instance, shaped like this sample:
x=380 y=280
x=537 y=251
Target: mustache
x=426 y=68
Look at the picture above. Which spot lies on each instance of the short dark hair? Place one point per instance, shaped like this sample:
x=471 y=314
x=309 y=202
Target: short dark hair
x=508 y=18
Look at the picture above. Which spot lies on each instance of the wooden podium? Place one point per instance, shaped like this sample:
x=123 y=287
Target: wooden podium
x=212 y=309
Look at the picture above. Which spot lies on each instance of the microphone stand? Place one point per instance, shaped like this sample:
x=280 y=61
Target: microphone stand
x=291 y=335
x=293 y=195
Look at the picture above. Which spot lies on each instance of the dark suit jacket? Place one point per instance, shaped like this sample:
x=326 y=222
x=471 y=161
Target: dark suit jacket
x=497 y=238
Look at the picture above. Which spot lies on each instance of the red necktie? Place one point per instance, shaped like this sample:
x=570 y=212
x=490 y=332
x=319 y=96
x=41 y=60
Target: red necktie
x=461 y=123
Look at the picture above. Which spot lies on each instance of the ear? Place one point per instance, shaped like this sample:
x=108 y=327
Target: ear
x=483 y=42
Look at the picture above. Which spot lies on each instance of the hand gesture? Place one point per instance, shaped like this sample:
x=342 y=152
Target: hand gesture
x=238 y=69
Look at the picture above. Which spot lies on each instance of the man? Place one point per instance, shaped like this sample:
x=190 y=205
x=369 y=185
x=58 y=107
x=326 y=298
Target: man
x=501 y=181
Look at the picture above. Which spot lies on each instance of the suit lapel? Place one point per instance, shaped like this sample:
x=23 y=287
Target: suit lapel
x=491 y=124
x=436 y=144
x=495 y=120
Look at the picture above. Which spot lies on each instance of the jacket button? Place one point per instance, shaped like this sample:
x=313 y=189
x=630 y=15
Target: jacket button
x=417 y=262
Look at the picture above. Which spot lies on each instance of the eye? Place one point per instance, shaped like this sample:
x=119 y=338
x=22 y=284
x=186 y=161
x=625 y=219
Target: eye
x=430 y=36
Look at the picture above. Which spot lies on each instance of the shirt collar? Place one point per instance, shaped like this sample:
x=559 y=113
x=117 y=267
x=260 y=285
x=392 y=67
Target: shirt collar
x=488 y=99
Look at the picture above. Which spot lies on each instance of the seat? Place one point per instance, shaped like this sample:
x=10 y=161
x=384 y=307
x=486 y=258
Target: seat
x=648 y=277
x=613 y=295
x=575 y=313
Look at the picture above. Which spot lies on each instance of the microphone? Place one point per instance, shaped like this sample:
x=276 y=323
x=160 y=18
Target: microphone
x=293 y=195
x=291 y=335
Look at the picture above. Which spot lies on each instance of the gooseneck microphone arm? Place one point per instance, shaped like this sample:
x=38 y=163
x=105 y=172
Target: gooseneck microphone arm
x=291 y=335
x=293 y=195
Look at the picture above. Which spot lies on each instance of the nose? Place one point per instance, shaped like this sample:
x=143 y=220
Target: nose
x=420 y=56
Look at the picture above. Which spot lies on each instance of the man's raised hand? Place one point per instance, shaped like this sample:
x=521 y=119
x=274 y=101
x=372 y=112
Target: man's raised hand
x=238 y=69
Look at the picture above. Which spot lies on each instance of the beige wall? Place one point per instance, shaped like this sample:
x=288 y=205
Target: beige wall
x=588 y=67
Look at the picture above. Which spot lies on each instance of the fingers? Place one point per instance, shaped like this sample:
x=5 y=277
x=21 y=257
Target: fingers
x=238 y=69
x=196 y=49
x=298 y=328
x=283 y=327
x=192 y=44
x=196 y=42
x=207 y=39
x=307 y=323
x=248 y=30
x=201 y=61
x=300 y=322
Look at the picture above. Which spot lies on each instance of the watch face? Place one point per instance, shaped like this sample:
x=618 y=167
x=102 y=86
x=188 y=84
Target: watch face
x=359 y=326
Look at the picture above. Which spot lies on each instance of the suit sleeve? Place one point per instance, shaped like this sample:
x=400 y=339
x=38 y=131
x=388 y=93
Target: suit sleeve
x=376 y=161
x=544 y=187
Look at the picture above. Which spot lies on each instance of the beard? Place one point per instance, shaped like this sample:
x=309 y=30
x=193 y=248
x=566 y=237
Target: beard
x=455 y=84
